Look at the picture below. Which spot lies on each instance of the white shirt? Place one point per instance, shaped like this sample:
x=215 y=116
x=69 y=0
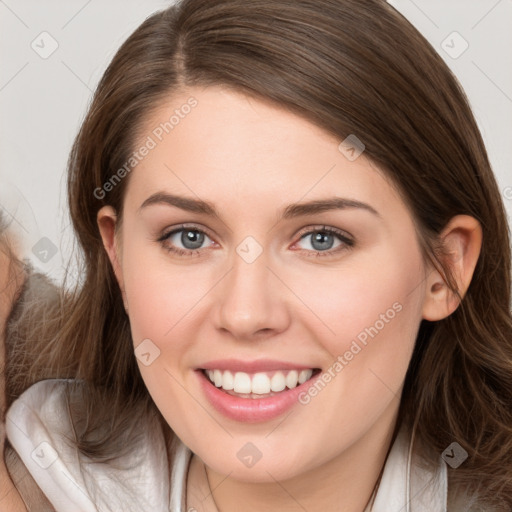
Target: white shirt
x=39 y=429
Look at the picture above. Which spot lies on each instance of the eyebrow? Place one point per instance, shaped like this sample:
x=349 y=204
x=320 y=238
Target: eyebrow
x=292 y=210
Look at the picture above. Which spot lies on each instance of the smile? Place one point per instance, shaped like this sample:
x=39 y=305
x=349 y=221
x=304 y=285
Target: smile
x=262 y=392
x=259 y=384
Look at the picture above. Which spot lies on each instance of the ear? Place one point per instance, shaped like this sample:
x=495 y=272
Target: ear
x=462 y=241
x=107 y=222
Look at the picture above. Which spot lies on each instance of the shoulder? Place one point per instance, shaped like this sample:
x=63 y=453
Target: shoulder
x=410 y=480
x=41 y=431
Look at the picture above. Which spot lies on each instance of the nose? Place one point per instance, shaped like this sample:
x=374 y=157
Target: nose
x=252 y=300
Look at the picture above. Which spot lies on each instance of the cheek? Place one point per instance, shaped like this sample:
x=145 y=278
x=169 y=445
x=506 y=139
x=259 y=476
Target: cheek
x=372 y=309
x=156 y=303
x=161 y=301
x=377 y=295
x=160 y=295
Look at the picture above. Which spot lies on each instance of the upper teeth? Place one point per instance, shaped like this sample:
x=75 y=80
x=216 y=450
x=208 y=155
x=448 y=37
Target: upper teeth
x=259 y=383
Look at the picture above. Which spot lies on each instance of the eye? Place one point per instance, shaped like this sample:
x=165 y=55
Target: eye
x=191 y=238
x=323 y=238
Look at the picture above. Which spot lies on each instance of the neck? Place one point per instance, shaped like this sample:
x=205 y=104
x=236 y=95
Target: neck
x=345 y=483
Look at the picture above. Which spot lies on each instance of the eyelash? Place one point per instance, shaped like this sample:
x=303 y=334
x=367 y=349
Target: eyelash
x=348 y=243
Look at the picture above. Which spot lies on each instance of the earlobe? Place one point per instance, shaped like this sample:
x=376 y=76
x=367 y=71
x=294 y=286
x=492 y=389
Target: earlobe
x=107 y=221
x=462 y=242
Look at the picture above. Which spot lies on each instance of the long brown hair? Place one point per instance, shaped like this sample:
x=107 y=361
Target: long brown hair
x=349 y=67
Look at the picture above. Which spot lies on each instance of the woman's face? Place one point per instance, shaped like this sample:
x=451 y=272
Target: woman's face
x=275 y=284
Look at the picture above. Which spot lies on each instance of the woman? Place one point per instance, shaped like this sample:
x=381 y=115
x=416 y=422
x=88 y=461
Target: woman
x=331 y=331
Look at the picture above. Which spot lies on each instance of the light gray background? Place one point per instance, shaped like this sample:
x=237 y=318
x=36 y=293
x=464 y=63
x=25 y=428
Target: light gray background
x=43 y=100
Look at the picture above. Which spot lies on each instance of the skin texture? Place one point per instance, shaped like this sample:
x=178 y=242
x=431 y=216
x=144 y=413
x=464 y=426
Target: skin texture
x=293 y=303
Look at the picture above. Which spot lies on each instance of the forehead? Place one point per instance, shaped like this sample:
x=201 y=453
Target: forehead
x=217 y=143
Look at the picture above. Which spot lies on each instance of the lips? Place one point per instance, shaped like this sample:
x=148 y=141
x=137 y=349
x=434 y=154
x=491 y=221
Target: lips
x=254 y=391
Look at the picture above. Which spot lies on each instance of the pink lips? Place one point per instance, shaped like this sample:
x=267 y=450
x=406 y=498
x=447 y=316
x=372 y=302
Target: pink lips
x=251 y=410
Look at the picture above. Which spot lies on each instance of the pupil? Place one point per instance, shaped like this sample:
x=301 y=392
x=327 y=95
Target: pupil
x=320 y=238
x=193 y=237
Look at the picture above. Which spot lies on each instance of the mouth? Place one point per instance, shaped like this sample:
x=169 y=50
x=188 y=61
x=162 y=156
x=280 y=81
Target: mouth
x=258 y=385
